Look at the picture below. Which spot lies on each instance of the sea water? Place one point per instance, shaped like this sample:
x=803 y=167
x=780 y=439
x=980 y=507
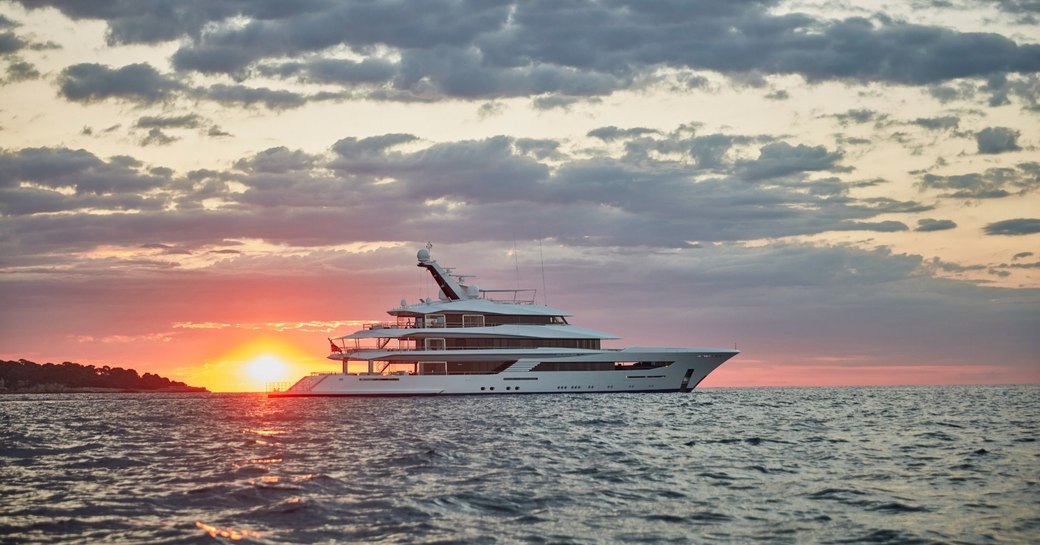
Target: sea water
x=771 y=465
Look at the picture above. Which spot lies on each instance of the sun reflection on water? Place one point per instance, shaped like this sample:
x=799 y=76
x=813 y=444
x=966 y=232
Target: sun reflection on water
x=227 y=533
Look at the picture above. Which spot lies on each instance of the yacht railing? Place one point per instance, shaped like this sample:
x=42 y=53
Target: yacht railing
x=520 y=296
x=411 y=324
x=347 y=351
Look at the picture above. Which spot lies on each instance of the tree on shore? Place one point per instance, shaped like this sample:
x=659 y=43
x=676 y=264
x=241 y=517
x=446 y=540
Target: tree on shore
x=24 y=375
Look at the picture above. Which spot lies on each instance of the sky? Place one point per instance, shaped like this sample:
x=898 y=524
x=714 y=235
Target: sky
x=848 y=192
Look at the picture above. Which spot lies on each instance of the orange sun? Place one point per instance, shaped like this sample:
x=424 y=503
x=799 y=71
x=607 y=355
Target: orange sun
x=256 y=363
x=266 y=368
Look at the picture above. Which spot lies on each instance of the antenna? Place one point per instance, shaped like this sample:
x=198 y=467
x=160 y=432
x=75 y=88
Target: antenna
x=541 y=257
x=516 y=262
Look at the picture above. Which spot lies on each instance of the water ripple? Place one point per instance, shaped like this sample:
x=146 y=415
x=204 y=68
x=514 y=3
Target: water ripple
x=792 y=465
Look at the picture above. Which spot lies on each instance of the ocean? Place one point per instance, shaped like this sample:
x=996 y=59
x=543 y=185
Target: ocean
x=763 y=465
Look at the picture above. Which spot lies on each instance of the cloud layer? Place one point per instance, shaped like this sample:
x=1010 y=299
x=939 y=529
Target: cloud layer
x=487 y=50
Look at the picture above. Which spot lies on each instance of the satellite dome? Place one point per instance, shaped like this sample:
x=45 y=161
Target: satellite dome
x=423 y=255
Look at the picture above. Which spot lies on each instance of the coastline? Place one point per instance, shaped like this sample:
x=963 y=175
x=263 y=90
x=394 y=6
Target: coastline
x=60 y=389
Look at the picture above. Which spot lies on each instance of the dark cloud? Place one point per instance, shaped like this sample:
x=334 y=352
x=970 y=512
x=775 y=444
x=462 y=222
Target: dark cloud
x=277 y=161
x=999 y=88
x=36 y=180
x=611 y=133
x=1022 y=255
x=142 y=83
x=710 y=150
x=967 y=186
x=248 y=96
x=10 y=43
x=441 y=190
x=554 y=54
x=859 y=116
x=372 y=146
x=992 y=140
x=555 y=101
x=994 y=183
x=156 y=137
x=782 y=159
x=1016 y=6
x=90 y=82
x=928 y=224
x=948 y=122
x=26 y=201
x=1019 y=226
x=80 y=170
x=155 y=21
x=189 y=121
x=881 y=226
x=18 y=70
x=337 y=71
x=538 y=148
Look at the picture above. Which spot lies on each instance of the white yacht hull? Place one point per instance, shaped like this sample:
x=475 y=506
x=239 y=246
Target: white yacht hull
x=686 y=369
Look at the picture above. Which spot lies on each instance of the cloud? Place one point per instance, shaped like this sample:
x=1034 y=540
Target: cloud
x=248 y=96
x=10 y=43
x=557 y=55
x=18 y=70
x=880 y=226
x=928 y=224
x=1019 y=226
x=943 y=123
x=190 y=121
x=860 y=116
x=1022 y=255
x=277 y=161
x=80 y=170
x=511 y=187
x=992 y=140
x=710 y=150
x=608 y=134
x=58 y=179
x=166 y=249
x=335 y=71
x=994 y=183
x=88 y=82
x=156 y=137
x=306 y=327
x=782 y=159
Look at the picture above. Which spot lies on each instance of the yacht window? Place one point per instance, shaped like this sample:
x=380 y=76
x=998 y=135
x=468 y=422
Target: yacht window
x=434 y=344
x=434 y=368
x=472 y=320
x=435 y=320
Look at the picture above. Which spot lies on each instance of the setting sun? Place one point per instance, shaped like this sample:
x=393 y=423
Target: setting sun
x=266 y=368
x=256 y=363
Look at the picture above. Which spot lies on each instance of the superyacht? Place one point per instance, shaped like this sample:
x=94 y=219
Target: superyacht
x=475 y=341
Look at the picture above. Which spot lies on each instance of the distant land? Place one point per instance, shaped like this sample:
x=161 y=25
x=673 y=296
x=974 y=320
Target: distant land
x=26 y=377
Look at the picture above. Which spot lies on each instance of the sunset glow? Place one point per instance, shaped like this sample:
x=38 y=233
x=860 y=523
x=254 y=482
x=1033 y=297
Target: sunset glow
x=255 y=365
x=267 y=369
x=849 y=191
